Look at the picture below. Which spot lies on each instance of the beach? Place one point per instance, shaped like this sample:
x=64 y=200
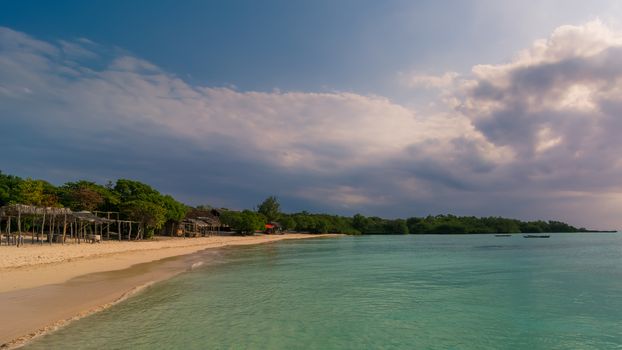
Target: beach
x=43 y=287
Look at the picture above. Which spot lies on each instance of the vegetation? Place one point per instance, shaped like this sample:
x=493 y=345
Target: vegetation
x=270 y=209
x=132 y=199
x=9 y=185
x=89 y=196
x=245 y=222
x=140 y=202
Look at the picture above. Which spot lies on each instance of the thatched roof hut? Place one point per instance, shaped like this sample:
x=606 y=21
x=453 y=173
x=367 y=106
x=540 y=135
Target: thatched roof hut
x=202 y=222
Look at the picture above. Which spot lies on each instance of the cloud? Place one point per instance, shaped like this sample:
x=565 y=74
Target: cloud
x=321 y=131
x=518 y=139
x=429 y=81
x=557 y=106
x=99 y=100
x=557 y=102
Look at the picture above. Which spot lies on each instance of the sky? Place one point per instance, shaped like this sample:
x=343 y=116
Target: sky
x=388 y=108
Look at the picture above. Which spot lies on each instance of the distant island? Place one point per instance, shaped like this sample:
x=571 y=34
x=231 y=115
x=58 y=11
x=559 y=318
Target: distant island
x=159 y=214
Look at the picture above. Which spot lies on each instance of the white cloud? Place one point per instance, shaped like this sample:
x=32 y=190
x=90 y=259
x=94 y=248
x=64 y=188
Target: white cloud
x=558 y=107
x=429 y=81
x=322 y=132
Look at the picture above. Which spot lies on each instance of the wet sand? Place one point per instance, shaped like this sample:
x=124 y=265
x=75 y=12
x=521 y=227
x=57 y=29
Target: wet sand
x=38 y=298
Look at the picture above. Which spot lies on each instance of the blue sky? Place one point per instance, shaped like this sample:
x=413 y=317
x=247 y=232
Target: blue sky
x=345 y=45
x=393 y=108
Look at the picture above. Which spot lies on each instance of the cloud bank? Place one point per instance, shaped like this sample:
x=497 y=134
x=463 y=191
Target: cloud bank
x=530 y=138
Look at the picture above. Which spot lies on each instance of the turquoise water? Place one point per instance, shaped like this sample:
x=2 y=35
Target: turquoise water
x=378 y=292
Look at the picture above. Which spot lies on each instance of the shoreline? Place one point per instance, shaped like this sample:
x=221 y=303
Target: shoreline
x=38 y=298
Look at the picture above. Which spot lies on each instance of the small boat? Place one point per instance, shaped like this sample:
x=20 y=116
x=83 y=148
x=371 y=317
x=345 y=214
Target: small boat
x=503 y=235
x=537 y=236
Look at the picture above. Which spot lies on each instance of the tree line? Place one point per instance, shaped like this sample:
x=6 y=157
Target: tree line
x=133 y=200
x=140 y=202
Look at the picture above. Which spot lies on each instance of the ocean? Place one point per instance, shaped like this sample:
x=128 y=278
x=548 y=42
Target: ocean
x=376 y=292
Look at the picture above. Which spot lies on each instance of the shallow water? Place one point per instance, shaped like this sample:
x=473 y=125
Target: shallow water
x=402 y=292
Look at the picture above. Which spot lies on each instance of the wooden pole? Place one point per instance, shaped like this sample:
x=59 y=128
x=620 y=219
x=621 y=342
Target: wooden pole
x=42 y=226
x=52 y=228
x=64 y=228
x=10 y=233
x=19 y=226
x=34 y=232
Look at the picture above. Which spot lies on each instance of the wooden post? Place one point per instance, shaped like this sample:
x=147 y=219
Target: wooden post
x=51 y=234
x=10 y=233
x=19 y=225
x=42 y=226
x=34 y=231
x=64 y=228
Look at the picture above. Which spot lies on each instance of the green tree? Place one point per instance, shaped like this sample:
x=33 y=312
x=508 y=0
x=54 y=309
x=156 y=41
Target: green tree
x=9 y=188
x=37 y=192
x=360 y=223
x=130 y=190
x=150 y=215
x=270 y=208
x=245 y=222
x=397 y=227
x=321 y=225
x=85 y=195
x=175 y=211
x=287 y=222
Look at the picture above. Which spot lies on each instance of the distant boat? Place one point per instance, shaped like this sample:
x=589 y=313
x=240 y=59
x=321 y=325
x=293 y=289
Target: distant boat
x=503 y=235
x=537 y=236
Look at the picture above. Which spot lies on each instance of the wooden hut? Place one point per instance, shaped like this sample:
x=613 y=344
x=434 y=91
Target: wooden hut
x=202 y=222
x=273 y=227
